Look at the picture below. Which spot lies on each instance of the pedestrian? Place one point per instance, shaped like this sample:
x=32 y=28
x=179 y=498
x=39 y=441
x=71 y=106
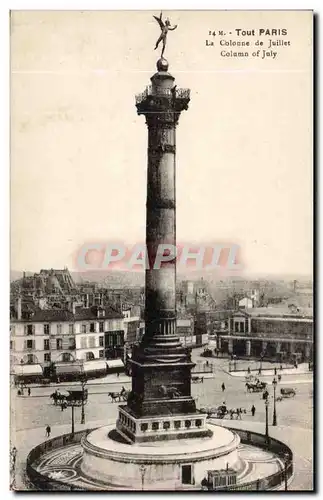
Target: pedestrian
x=231 y=414
x=249 y=370
x=281 y=367
x=275 y=371
x=259 y=371
x=22 y=391
x=118 y=374
x=13 y=456
x=223 y=387
x=62 y=406
x=253 y=410
x=29 y=391
x=279 y=378
x=48 y=431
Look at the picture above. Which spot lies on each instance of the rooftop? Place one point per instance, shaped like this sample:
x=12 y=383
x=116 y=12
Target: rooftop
x=281 y=311
x=64 y=315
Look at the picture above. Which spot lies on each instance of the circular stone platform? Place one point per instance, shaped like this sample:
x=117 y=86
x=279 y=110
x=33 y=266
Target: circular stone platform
x=63 y=465
x=112 y=461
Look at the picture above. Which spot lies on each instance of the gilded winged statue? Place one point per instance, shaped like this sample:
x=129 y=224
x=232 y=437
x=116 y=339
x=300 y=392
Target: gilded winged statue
x=165 y=27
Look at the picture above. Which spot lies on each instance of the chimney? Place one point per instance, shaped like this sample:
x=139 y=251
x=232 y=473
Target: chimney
x=18 y=307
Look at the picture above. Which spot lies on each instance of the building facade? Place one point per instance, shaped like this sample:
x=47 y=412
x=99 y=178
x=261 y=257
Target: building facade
x=58 y=338
x=278 y=332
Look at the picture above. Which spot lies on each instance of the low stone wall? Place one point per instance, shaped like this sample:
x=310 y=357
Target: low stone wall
x=274 y=481
x=278 y=448
x=42 y=482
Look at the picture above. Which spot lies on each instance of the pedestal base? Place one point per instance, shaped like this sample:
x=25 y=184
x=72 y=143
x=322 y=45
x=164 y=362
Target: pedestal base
x=177 y=464
x=161 y=428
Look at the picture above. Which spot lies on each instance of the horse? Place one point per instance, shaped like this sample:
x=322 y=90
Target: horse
x=169 y=391
x=58 y=398
x=115 y=396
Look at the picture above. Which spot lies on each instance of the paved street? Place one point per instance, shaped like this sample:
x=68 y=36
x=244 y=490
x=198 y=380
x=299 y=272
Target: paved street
x=36 y=411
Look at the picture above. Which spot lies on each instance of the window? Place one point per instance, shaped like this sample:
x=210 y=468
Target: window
x=71 y=329
x=30 y=344
x=59 y=344
x=101 y=341
x=198 y=423
x=66 y=357
x=101 y=353
x=101 y=327
x=83 y=343
x=71 y=343
x=144 y=427
x=92 y=327
x=177 y=424
x=12 y=344
x=13 y=329
x=59 y=329
x=166 y=425
x=155 y=426
x=188 y=424
x=47 y=358
x=30 y=359
x=46 y=345
x=83 y=328
x=46 y=329
x=89 y=356
x=91 y=341
x=30 y=329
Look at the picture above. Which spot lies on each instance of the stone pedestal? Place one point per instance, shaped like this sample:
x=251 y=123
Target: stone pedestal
x=173 y=465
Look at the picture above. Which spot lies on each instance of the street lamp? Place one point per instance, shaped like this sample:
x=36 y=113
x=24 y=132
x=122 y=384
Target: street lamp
x=142 y=469
x=274 y=414
x=267 y=433
x=83 y=383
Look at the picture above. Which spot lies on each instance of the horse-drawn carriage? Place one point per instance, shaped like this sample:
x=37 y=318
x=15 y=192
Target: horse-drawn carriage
x=286 y=392
x=72 y=398
x=207 y=353
x=222 y=411
x=256 y=386
x=117 y=397
x=216 y=412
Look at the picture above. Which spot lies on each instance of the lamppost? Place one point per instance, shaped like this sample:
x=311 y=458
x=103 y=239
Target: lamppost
x=142 y=469
x=286 y=463
x=274 y=414
x=83 y=383
x=72 y=420
x=266 y=408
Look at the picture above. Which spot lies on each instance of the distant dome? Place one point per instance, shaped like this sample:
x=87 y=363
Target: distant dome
x=162 y=64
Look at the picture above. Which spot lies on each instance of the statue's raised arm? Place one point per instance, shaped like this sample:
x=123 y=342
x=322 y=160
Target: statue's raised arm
x=159 y=20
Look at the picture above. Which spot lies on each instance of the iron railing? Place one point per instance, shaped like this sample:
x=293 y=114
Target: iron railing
x=177 y=93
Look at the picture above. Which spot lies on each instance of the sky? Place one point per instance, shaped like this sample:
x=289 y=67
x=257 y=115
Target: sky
x=78 y=148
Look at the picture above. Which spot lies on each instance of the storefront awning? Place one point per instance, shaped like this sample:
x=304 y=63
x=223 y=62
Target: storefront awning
x=68 y=368
x=27 y=370
x=115 y=363
x=94 y=366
